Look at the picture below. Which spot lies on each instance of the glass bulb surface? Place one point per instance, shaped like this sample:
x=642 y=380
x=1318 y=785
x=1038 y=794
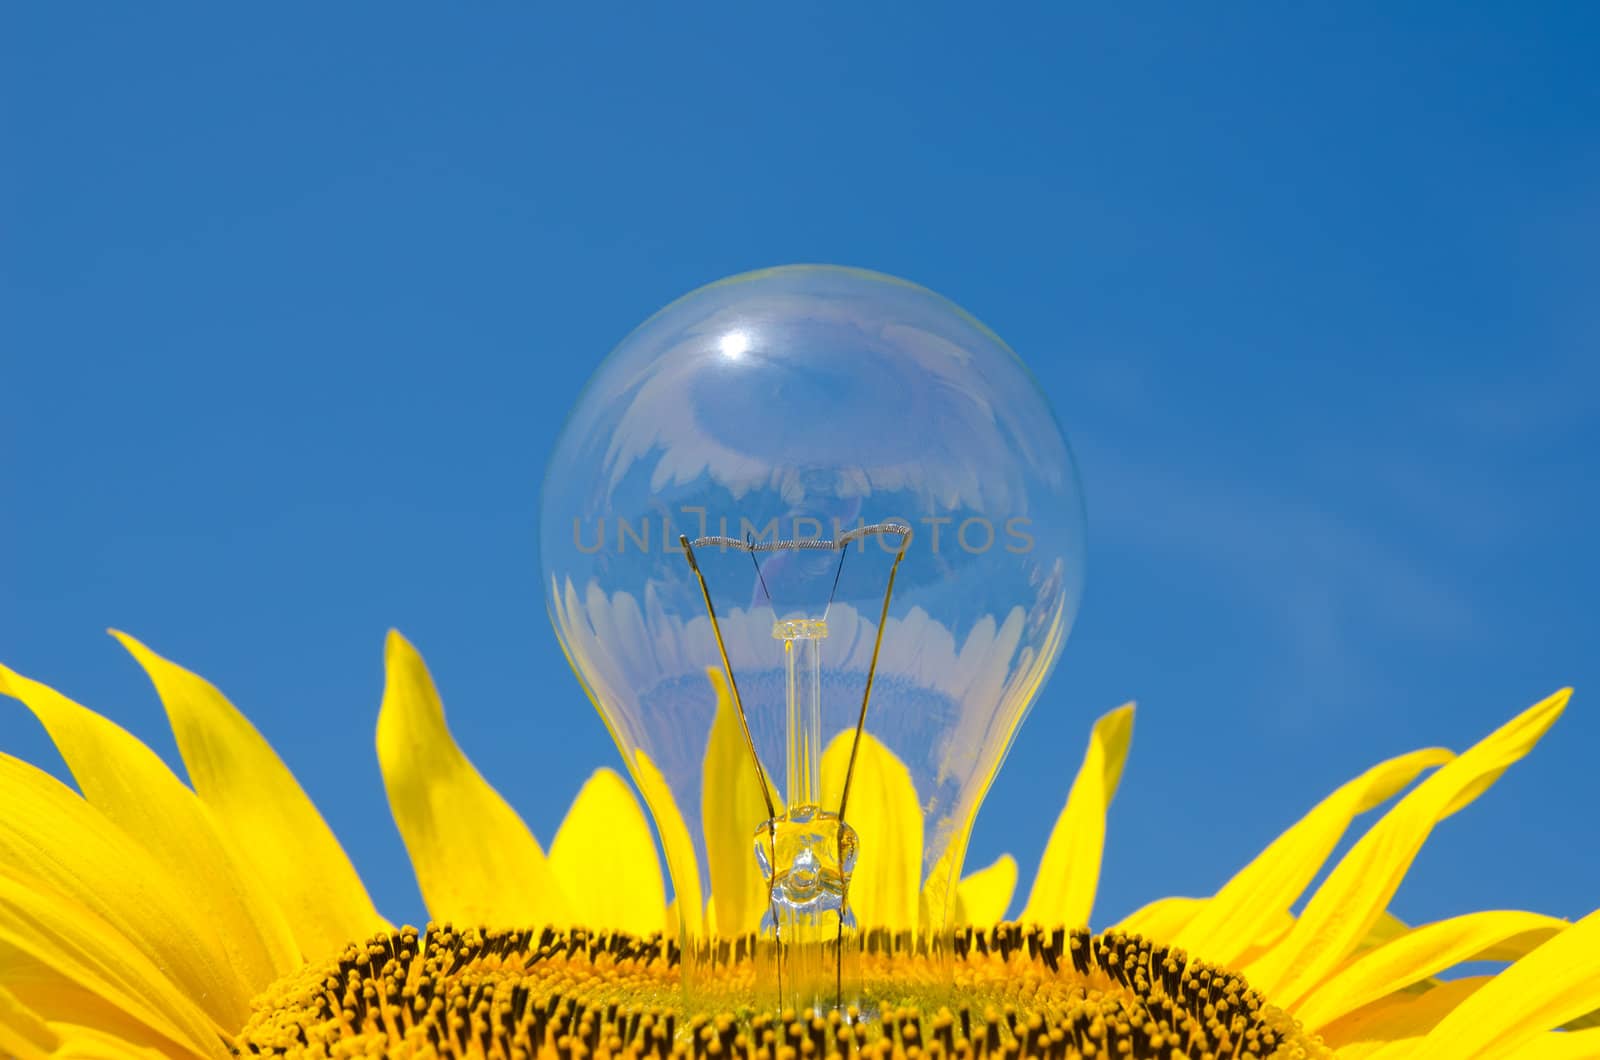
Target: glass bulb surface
x=732 y=497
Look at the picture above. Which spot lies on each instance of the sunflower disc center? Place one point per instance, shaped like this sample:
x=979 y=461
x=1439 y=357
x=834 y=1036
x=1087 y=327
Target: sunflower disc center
x=1016 y=993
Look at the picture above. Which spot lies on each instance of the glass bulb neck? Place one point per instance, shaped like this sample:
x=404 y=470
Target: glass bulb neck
x=802 y=659
x=807 y=853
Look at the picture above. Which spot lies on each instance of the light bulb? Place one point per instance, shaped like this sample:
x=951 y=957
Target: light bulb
x=812 y=540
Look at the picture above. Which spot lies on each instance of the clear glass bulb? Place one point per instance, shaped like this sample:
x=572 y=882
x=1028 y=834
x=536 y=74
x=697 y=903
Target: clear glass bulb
x=812 y=540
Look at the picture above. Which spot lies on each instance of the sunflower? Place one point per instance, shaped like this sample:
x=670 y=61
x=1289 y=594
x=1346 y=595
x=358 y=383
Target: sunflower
x=146 y=917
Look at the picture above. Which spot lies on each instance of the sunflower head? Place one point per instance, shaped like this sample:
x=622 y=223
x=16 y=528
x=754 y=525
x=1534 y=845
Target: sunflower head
x=144 y=917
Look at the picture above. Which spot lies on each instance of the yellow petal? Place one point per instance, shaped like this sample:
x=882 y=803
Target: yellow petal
x=54 y=843
x=127 y=782
x=1515 y=947
x=1069 y=873
x=731 y=811
x=604 y=858
x=1422 y=952
x=1398 y=1018
x=1386 y=928
x=1273 y=881
x=1574 y=1045
x=1161 y=920
x=64 y=962
x=23 y=1035
x=886 y=889
x=1401 y=1050
x=983 y=897
x=273 y=826
x=1355 y=894
x=1389 y=927
x=1555 y=983
x=475 y=861
x=94 y=1043
x=685 y=913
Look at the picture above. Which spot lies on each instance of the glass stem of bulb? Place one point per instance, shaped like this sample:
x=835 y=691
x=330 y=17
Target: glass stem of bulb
x=802 y=657
x=808 y=909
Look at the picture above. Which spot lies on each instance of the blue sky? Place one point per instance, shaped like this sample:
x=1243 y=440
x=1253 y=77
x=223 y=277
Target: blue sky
x=292 y=307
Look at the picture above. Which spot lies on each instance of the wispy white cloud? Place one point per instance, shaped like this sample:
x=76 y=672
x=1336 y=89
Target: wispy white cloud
x=1318 y=578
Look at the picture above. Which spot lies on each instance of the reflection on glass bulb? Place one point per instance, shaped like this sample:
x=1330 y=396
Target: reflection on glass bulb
x=842 y=559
